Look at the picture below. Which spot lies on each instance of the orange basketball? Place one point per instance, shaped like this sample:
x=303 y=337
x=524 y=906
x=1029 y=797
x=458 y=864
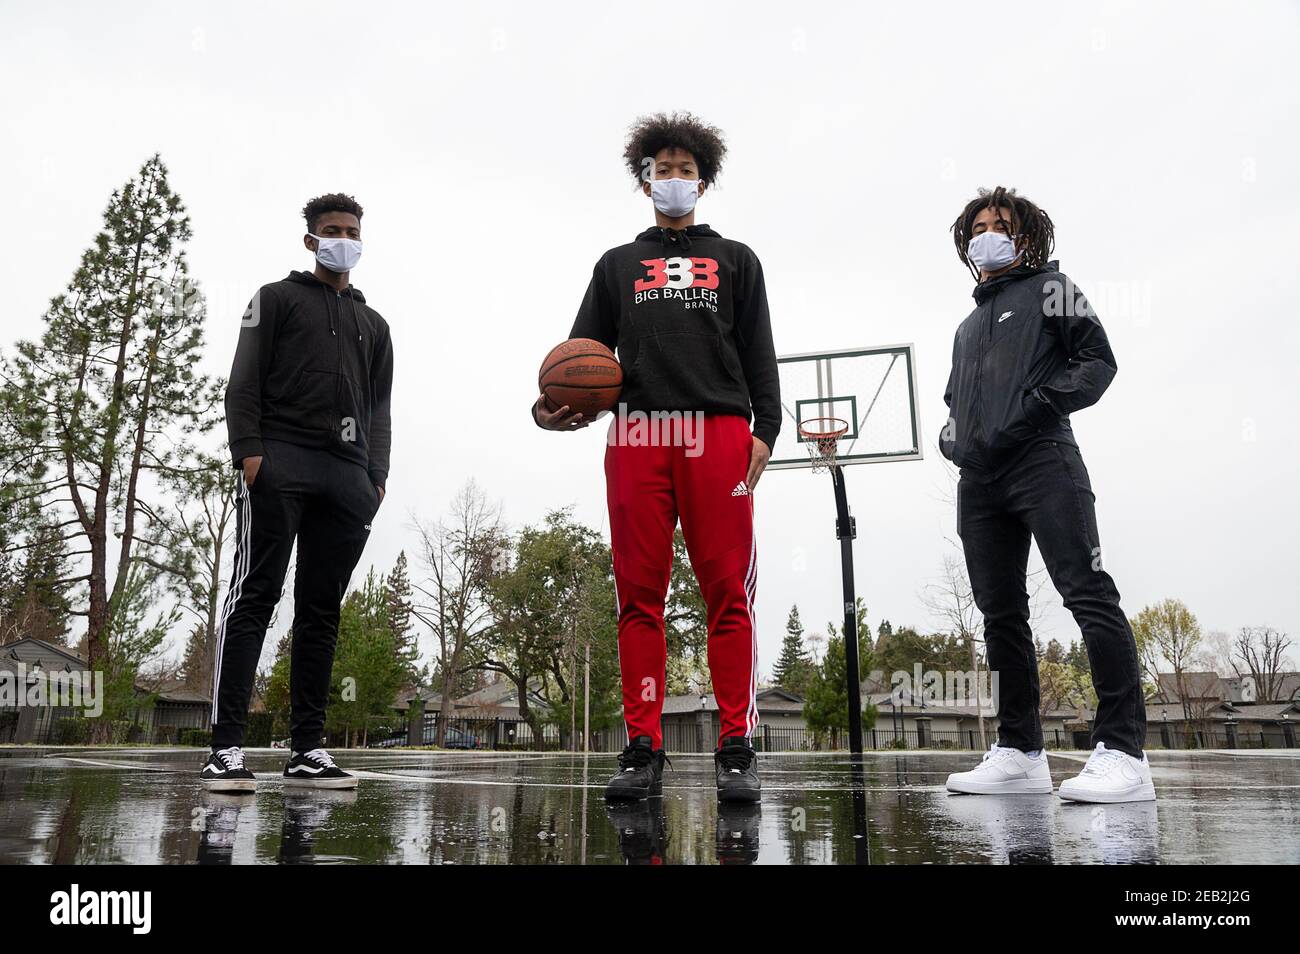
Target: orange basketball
x=583 y=374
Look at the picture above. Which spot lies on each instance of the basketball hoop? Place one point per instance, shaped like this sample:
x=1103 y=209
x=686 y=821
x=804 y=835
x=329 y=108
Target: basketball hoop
x=822 y=435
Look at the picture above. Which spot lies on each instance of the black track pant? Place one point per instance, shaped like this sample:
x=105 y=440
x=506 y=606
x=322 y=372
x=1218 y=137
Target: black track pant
x=1048 y=494
x=326 y=503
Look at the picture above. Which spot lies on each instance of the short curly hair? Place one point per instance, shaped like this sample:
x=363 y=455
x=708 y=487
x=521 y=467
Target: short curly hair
x=333 y=202
x=681 y=130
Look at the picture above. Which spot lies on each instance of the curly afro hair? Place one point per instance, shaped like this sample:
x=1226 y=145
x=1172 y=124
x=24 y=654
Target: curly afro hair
x=1028 y=222
x=334 y=202
x=650 y=134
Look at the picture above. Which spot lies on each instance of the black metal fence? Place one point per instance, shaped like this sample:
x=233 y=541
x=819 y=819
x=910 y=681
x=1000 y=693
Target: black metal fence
x=682 y=735
x=1180 y=735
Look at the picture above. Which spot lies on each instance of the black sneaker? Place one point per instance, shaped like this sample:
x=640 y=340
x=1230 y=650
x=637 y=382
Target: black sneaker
x=737 y=832
x=224 y=772
x=736 y=766
x=315 y=769
x=640 y=772
x=642 y=838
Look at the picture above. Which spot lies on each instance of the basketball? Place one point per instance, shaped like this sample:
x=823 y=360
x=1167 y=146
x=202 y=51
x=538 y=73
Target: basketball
x=583 y=374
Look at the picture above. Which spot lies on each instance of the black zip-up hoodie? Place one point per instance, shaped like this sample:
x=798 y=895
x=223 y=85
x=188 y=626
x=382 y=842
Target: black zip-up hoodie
x=687 y=311
x=1030 y=354
x=313 y=367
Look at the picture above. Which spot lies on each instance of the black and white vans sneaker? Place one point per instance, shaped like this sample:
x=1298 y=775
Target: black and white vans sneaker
x=224 y=772
x=315 y=769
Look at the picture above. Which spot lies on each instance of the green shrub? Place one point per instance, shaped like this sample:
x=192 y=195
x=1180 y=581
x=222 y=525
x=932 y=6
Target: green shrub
x=71 y=731
x=197 y=737
x=260 y=729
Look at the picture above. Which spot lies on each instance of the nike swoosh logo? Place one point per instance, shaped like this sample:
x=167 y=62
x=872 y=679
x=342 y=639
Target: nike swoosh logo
x=1005 y=316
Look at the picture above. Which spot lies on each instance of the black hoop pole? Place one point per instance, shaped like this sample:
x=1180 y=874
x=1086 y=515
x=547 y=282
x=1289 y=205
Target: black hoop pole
x=846 y=529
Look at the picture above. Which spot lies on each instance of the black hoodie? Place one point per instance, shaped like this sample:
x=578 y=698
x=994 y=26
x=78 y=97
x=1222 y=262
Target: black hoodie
x=313 y=367
x=1030 y=354
x=687 y=311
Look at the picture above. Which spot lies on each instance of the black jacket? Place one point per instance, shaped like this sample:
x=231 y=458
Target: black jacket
x=313 y=367
x=1030 y=354
x=687 y=311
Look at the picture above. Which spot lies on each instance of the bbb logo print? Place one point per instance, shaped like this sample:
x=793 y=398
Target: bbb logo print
x=678 y=272
x=692 y=281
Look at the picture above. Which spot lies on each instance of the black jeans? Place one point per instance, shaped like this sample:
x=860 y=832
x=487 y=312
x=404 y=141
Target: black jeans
x=326 y=504
x=1048 y=494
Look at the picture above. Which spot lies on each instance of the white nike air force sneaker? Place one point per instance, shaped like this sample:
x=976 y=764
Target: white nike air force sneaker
x=1111 y=776
x=1005 y=771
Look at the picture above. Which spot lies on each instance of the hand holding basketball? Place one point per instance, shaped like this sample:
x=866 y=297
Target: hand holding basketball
x=580 y=379
x=564 y=419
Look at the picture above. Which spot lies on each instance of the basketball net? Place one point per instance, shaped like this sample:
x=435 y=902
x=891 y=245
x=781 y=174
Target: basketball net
x=821 y=435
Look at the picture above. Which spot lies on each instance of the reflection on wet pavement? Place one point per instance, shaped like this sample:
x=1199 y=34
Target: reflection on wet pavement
x=111 y=806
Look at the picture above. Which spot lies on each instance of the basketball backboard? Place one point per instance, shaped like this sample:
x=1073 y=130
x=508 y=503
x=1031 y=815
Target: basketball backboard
x=873 y=389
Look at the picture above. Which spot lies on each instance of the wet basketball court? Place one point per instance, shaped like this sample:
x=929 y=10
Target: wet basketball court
x=114 y=806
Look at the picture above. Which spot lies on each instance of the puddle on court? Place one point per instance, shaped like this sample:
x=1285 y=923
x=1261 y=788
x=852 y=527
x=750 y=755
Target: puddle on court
x=114 y=806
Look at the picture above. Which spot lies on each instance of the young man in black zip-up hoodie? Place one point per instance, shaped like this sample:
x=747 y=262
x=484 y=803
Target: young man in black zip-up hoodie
x=1030 y=354
x=687 y=311
x=307 y=412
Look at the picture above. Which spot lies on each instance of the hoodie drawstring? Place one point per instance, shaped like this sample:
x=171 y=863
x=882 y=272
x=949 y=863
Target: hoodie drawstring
x=352 y=302
x=678 y=236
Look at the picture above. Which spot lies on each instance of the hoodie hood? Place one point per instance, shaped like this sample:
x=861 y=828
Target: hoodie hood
x=984 y=289
x=307 y=278
x=679 y=237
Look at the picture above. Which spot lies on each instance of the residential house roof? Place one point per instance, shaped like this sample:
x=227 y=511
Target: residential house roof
x=500 y=695
x=774 y=699
x=432 y=698
x=31 y=652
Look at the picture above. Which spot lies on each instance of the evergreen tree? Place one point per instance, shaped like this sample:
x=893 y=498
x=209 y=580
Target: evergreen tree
x=398 y=605
x=102 y=407
x=793 y=668
x=34 y=598
x=368 y=672
x=826 y=708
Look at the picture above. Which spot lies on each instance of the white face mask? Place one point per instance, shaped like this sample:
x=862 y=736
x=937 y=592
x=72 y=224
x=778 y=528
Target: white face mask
x=674 y=197
x=990 y=251
x=338 y=254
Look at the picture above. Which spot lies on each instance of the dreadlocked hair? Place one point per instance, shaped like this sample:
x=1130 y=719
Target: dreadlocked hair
x=1031 y=226
x=650 y=134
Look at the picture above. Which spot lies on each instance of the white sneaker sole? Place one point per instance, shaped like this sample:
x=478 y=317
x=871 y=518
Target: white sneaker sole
x=242 y=785
x=1146 y=792
x=1014 y=786
x=331 y=783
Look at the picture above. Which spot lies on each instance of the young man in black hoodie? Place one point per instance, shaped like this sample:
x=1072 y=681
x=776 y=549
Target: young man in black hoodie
x=687 y=311
x=307 y=411
x=1030 y=354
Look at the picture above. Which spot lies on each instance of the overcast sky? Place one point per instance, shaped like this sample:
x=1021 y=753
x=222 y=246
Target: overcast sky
x=484 y=142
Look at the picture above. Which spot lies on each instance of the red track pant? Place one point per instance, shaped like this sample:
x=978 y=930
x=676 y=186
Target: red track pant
x=649 y=488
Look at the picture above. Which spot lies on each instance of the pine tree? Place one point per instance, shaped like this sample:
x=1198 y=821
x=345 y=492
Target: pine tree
x=102 y=407
x=793 y=668
x=368 y=672
x=826 y=710
x=397 y=598
x=34 y=599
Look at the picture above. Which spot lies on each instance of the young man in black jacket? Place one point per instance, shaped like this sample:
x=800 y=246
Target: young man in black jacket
x=307 y=412
x=1030 y=354
x=687 y=311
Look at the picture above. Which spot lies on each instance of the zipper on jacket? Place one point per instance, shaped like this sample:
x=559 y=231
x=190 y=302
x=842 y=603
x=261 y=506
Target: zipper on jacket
x=338 y=373
x=979 y=368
